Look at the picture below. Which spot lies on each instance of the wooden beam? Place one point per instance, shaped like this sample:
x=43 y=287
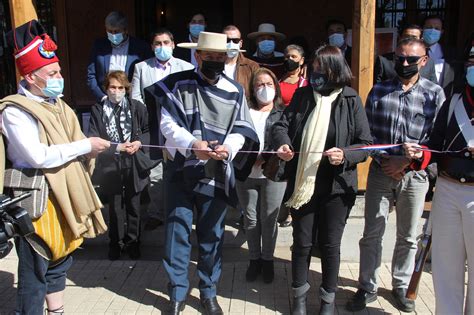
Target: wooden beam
x=21 y=11
x=363 y=39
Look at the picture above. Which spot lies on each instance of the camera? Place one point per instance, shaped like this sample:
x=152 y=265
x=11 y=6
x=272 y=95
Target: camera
x=14 y=221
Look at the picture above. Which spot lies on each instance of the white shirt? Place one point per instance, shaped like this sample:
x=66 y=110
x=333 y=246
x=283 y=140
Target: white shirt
x=436 y=53
x=162 y=70
x=118 y=59
x=259 y=120
x=176 y=136
x=229 y=70
x=24 y=148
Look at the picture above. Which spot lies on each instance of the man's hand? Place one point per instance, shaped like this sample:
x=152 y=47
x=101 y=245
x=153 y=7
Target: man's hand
x=284 y=152
x=201 y=150
x=220 y=152
x=412 y=151
x=335 y=156
x=394 y=166
x=98 y=145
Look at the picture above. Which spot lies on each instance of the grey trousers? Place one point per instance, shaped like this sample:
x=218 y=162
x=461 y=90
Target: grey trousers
x=409 y=194
x=261 y=199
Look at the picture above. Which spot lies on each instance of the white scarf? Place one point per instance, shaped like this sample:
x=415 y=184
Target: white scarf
x=314 y=139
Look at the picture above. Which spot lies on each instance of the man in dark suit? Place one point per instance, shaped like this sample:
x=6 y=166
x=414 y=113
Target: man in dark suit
x=385 y=64
x=449 y=69
x=337 y=33
x=196 y=25
x=118 y=51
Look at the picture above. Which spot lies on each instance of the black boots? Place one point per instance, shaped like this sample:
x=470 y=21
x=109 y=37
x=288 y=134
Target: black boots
x=268 y=272
x=327 y=302
x=299 y=300
x=253 y=270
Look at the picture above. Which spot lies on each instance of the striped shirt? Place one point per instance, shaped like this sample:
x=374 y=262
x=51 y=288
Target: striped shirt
x=397 y=116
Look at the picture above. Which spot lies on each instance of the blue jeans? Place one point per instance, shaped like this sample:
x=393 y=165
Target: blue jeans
x=210 y=236
x=37 y=277
x=380 y=195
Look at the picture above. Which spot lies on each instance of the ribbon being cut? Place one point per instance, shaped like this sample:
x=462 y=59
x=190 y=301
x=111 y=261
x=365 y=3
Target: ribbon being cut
x=374 y=147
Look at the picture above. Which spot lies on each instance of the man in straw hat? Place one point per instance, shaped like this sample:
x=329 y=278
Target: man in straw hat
x=43 y=135
x=203 y=120
x=266 y=56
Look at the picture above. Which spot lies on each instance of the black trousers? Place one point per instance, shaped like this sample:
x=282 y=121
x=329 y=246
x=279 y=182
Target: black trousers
x=322 y=219
x=131 y=201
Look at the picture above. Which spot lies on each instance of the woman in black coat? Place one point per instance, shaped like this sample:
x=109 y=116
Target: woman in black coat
x=121 y=171
x=326 y=118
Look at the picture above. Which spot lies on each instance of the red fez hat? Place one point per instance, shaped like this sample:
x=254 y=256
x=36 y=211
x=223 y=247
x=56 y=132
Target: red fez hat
x=32 y=47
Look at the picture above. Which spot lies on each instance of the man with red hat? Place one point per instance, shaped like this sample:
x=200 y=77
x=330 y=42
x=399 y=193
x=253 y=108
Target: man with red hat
x=44 y=141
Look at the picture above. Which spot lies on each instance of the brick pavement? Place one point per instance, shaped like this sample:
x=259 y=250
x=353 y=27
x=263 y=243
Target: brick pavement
x=99 y=286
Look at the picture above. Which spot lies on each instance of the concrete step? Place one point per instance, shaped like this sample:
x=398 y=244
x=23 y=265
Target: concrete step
x=235 y=236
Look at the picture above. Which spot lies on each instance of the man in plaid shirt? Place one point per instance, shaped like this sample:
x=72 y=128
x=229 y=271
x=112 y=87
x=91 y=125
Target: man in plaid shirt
x=399 y=110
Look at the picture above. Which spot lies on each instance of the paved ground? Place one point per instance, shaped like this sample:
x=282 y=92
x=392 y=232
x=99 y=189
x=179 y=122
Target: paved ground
x=98 y=286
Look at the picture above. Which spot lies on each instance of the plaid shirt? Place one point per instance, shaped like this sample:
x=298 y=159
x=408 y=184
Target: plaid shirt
x=397 y=116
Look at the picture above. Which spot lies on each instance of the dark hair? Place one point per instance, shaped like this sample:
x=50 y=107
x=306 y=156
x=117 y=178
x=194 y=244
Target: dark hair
x=411 y=41
x=333 y=63
x=253 y=101
x=197 y=13
x=161 y=31
x=433 y=17
x=120 y=76
x=411 y=27
x=335 y=21
x=116 y=19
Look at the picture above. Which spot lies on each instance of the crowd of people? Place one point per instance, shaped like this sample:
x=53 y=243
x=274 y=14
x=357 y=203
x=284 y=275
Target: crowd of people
x=277 y=135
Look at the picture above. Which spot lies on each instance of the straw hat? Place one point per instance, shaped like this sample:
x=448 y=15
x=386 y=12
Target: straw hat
x=210 y=42
x=266 y=29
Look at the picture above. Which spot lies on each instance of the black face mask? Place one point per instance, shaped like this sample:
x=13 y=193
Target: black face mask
x=406 y=72
x=320 y=82
x=212 y=69
x=291 y=65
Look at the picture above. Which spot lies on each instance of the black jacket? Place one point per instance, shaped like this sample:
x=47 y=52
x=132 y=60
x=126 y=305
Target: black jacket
x=352 y=130
x=107 y=171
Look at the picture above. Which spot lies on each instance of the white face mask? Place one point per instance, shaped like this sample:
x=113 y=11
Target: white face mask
x=265 y=94
x=116 y=97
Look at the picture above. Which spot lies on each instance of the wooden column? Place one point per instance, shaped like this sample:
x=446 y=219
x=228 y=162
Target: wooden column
x=21 y=11
x=363 y=39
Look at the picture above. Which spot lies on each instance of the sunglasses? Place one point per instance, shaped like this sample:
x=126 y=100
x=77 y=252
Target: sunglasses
x=234 y=40
x=409 y=59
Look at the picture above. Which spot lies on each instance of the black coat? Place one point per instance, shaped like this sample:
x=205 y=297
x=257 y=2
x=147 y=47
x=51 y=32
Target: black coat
x=352 y=130
x=108 y=169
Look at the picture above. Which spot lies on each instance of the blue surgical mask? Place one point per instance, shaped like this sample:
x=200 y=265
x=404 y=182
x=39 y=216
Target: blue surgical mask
x=195 y=29
x=115 y=39
x=336 y=39
x=163 y=53
x=266 y=47
x=54 y=87
x=233 y=53
x=470 y=76
x=431 y=35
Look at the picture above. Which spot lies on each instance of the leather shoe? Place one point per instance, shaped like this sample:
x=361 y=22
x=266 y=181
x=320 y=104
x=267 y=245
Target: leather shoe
x=402 y=303
x=175 y=308
x=360 y=300
x=211 y=307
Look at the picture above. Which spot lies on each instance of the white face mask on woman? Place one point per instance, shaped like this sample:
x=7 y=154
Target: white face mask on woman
x=265 y=94
x=116 y=96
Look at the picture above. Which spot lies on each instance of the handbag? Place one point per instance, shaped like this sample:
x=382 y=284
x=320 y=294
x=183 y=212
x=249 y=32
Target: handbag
x=274 y=168
x=143 y=163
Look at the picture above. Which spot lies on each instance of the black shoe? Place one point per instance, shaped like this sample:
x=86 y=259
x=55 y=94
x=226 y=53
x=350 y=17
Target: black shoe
x=402 y=302
x=133 y=250
x=360 y=300
x=268 y=272
x=152 y=223
x=175 y=308
x=211 y=307
x=253 y=270
x=114 y=251
x=299 y=300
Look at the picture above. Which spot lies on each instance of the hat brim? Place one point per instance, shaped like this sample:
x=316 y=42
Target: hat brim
x=278 y=36
x=195 y=46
